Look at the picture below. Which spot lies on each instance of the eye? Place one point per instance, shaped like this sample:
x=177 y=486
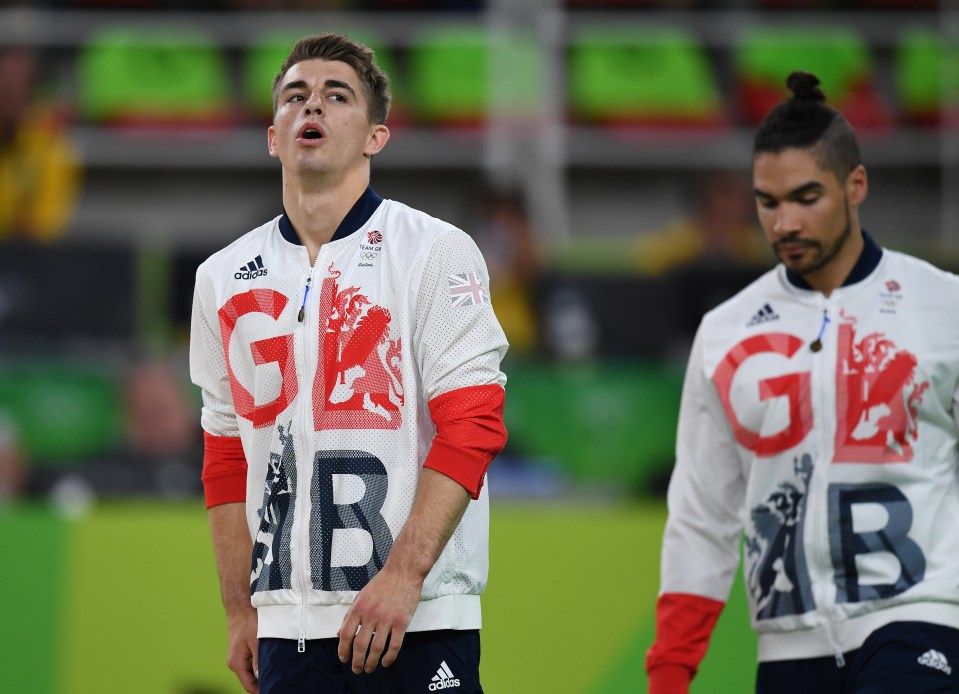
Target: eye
x=337 y=96
x=767 y=203
x=296 y=97
x=808 y=200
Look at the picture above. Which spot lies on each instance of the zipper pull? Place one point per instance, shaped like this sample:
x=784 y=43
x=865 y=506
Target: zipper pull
x=301 y=635
x=816 y=344
x=299 y=316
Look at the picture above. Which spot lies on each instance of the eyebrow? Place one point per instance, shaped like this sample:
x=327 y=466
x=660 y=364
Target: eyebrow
x=812 y=186
x=329 y=84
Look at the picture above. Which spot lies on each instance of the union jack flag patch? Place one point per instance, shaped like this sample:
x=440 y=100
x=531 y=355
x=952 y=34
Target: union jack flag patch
x=467 y=290
x=373 y=236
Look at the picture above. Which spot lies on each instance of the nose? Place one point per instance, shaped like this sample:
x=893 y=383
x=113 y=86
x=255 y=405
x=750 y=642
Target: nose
x=314 y=105
x=787 y=219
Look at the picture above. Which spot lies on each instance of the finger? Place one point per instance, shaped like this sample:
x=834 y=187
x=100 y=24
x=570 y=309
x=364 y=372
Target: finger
x=361 y=645
x=247 y=678
x=376 y=649
x=396 y=643
x=347 y=634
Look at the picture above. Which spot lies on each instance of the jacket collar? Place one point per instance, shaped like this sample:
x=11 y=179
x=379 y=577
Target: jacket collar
x=868 y=260
x=358 y=215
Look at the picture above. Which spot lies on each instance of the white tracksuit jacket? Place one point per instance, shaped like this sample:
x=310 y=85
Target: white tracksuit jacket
x=335 y=406
x=838 y=467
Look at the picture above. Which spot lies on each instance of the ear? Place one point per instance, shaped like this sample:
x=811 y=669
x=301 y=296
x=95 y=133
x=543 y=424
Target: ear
x=271 y=141
x=857 y=185
x=379 y=136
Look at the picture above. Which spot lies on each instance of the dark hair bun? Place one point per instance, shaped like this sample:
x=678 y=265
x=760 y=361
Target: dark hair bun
x=805 y=87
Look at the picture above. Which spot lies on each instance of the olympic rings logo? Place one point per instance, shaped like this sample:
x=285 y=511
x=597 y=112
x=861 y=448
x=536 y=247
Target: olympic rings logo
x=368 y=256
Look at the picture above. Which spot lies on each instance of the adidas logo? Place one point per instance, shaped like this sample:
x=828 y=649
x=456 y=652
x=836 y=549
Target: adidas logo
x=443 y=679
x=763 y=315
x=251 y=270
x=935 y=660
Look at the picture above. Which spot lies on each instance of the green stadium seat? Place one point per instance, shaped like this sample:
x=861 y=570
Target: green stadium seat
x=838 y=56
x=450 y=72
x=604 y=421
x=65 y=413
x=135 y=75
x=647 y=76
x=927 y=78
x=266 y=54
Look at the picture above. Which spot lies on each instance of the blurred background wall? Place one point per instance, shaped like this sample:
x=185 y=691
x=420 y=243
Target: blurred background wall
x=598 y=152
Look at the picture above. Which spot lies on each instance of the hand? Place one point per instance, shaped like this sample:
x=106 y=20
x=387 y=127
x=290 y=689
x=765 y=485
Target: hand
x=241 y=656
x=381 y=612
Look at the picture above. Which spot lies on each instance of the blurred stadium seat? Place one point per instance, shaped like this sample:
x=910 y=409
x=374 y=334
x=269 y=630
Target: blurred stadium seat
x=53 y=295
x=604 y=421
x=266 y=54
x=650 y=76
x=65 y=411
x=927 y=78
x=154 y=76
x=837 y=55
x=449 y=71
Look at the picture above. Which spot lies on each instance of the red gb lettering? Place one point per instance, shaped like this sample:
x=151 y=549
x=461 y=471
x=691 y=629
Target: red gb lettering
x=877 y=398
x=277 y=349
x=358 y=382
x=794 y=386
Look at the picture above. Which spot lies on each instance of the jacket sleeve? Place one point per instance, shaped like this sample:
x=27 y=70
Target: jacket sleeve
x=701 y=542
x=458 y=345
x=684 y=624
x=224 y=465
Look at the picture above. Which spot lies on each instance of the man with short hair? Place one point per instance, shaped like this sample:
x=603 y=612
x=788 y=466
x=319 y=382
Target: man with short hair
x=348 y=357
x=819 y=424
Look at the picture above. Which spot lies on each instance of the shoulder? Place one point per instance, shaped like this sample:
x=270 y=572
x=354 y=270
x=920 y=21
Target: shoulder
x=927 y=276
x=415 y=225
x=746 y=301
x=239 y=248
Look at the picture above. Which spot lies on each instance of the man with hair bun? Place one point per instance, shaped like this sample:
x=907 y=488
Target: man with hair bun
x=819 y=431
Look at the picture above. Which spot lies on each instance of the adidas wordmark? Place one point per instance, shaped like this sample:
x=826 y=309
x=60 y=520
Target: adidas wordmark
x=443 y=679
x=763 y=315
x=251 y=270
x=936 y=660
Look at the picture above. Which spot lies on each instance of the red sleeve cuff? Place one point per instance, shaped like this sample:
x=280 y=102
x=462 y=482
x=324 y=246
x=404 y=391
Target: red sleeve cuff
x=670 y=679
x=469 y=434
x=224 y=470
x=684 y=624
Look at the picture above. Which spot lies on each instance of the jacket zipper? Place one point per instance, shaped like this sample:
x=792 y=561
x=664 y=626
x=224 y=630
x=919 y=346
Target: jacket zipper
x=827 y=404
x=303 y=558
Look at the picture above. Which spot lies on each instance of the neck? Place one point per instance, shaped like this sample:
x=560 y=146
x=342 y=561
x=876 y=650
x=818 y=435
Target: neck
x=316 y=209
x=834 y=273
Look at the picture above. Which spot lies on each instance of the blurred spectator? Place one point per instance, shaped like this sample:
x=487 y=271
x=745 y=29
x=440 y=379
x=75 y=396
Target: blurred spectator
x=13 y=470
x=160 y=449
x=721 y=230
x=39 y=168
x=162 y=431
x=502 y=230
x=293 y=5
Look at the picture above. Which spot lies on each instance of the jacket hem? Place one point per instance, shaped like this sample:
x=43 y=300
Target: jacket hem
x=324 y=621
x=851 y=633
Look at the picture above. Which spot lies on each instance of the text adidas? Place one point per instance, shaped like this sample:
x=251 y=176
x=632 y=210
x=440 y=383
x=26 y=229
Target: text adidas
x=444 y=684
x=248 y=275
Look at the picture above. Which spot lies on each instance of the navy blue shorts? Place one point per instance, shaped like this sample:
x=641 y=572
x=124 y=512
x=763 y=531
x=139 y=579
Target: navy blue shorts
x=429 y=661
x=899 y=658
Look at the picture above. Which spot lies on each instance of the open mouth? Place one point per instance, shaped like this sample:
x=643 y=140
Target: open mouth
x=310 y=132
